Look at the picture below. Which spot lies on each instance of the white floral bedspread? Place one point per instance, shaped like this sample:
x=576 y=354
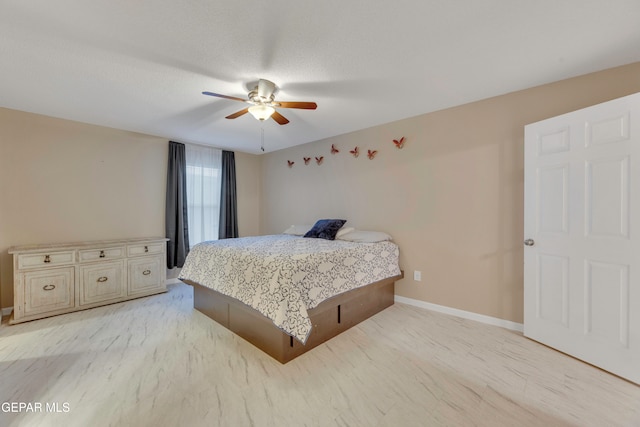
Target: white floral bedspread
x=283 y=276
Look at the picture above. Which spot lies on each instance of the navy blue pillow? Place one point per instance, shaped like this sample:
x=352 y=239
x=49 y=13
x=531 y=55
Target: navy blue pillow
x=326 y=229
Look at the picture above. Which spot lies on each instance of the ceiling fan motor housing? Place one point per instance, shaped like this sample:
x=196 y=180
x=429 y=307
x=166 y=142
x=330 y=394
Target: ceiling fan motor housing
x=256 y=98
x=266 y=89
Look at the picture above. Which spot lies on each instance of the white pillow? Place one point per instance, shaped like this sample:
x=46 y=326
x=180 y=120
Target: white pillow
x=297 y=230
x=365 y=236
x=344 y=230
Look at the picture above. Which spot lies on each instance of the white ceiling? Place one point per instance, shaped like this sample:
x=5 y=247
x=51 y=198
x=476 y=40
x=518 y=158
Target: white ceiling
x=141 y=65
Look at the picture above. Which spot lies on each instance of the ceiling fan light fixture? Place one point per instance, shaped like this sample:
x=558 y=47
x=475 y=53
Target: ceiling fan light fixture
x=261 y=112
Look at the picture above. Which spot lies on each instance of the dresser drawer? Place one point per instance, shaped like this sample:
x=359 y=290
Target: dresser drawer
x=101 y=282
x=146 y=275
x=46 y=259
x=87 y=255
x=48 y=290
x=145 y=249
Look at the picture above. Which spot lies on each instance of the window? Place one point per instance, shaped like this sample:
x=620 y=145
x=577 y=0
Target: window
x=204 y=166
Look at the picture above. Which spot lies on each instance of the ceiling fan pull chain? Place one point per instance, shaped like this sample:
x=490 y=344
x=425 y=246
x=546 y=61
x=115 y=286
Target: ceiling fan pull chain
x=262 y=139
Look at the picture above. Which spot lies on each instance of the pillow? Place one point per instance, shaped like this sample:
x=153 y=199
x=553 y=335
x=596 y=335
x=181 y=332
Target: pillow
x=365 y=236
x=297 y=230
x=326 y=229
x=343 y=231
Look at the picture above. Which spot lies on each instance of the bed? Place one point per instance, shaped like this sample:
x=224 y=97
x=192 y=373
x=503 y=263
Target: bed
x=287 y=294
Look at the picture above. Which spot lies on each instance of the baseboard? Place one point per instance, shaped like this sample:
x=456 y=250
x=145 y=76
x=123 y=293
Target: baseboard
x=507 y=324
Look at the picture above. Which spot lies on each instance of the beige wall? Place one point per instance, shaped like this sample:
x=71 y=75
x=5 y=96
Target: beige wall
x=452 y=198
x=248 y=175
x=63 y=181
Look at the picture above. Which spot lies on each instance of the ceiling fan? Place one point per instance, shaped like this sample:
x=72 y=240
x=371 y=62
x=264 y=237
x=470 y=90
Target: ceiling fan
x=262 y=99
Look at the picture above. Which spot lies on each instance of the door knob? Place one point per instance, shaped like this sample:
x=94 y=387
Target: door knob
x=529 y=242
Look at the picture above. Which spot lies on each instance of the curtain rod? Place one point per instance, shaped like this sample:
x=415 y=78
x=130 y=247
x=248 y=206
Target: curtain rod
x=202 y=145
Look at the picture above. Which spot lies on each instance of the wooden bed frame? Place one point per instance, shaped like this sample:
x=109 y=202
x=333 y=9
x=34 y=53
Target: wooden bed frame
x=328 y=319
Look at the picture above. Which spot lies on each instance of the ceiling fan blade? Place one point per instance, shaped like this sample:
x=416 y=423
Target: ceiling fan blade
x=303 y=105
x=233 y=98
x=282 y=120
x=238 y=114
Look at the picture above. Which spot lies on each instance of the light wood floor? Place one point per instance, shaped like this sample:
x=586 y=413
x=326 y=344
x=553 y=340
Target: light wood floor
x=157 y=362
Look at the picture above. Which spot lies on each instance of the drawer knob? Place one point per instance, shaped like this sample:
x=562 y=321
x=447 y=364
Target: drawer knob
x=101 y=254
x=47 y=259
x=146 y=248
x=146 y=272
x=48 y=287
x=102 y=279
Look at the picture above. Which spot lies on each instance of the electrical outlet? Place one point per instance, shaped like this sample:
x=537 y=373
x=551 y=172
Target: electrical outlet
x=417 y=275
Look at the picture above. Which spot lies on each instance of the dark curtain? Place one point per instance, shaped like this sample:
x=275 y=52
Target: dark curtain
x=176 y=223
x=228 y=210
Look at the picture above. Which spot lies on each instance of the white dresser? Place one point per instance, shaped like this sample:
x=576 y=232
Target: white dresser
x=60 y=278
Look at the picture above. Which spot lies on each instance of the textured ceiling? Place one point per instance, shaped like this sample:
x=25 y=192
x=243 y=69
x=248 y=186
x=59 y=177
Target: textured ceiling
x=142 y=65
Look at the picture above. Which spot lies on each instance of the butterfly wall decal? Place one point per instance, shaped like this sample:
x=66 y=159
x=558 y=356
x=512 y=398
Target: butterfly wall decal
x=355 y=152
x=319 y=160
x=399 y=143
x=290 y=163
x=306 y=160
x=334 y=150
x=371 y=154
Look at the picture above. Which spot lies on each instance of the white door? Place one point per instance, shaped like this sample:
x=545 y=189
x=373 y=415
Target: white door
x=582 y=235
